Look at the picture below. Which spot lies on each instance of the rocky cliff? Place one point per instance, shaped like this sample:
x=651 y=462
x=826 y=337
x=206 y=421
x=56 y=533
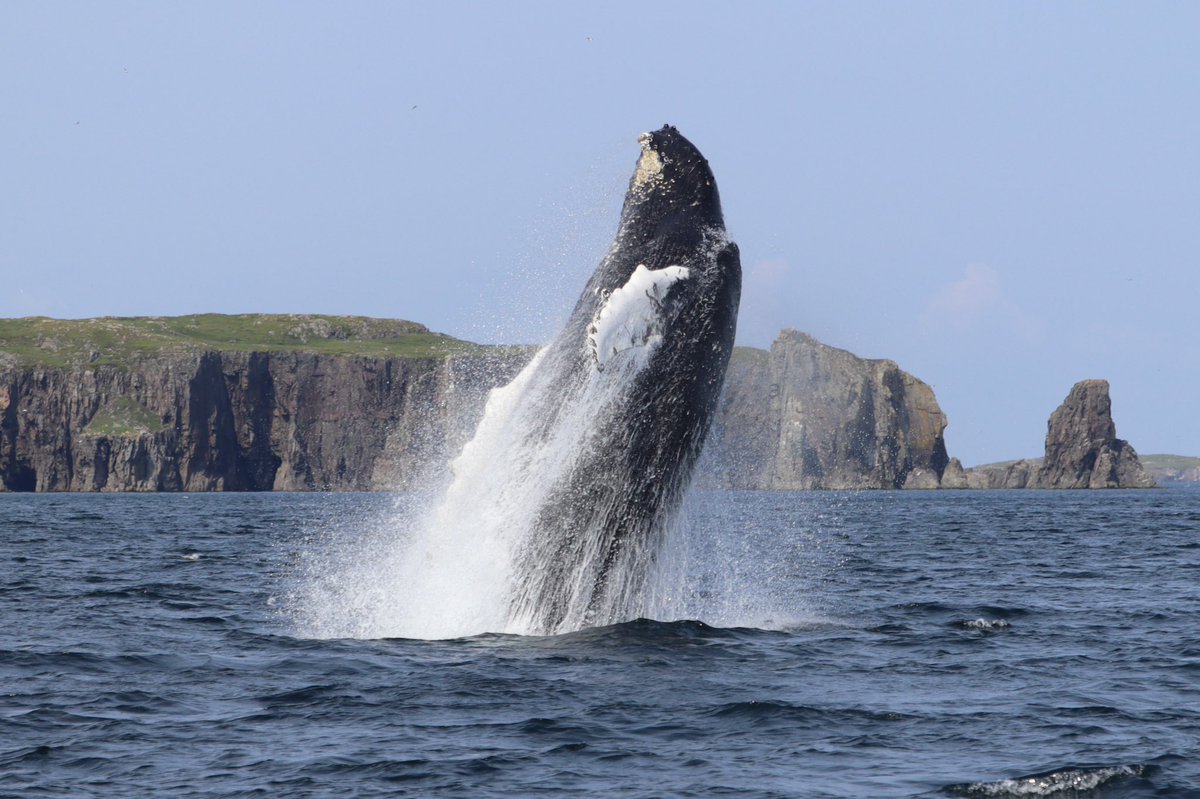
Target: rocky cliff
x=301 y=413
x=299 y=403
x=1082 y=450
x=806 y=415
x=285 y=402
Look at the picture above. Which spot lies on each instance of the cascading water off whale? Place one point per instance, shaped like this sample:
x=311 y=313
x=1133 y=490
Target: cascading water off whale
x=560 y=503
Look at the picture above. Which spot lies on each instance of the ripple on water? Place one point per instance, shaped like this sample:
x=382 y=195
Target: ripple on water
x=959 y=658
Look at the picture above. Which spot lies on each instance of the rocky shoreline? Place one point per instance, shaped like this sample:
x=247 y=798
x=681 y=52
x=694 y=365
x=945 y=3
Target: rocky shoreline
x=288 y=404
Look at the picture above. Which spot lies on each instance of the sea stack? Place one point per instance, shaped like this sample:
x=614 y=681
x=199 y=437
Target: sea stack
x=1082 y=448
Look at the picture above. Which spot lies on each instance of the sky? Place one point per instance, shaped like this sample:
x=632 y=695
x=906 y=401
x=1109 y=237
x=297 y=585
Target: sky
x=1003 y=198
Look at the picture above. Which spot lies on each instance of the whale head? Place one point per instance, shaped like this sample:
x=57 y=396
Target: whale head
x=672 y=180
x=671 y=218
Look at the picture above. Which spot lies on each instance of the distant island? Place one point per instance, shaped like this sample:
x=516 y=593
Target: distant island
x=291 y=402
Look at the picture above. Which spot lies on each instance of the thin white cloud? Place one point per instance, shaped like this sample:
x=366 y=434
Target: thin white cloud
x=977 y=303
x=976 y=293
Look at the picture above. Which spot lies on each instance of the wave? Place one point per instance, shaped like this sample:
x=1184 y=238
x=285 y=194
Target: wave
x=766 y=710
x=942 y=609
x=1070 y=783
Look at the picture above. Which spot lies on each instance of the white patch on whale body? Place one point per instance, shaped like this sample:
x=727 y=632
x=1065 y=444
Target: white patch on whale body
x=632 y=317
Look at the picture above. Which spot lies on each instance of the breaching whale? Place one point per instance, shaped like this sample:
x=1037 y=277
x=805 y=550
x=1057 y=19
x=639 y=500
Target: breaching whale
x=627 y=391
x=558 y=512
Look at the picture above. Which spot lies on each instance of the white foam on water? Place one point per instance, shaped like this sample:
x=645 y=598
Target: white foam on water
x=726 y=570
x=986 y=624
x=1057 y=784
x=466 y=564
x=448 y=572
x=455 y=566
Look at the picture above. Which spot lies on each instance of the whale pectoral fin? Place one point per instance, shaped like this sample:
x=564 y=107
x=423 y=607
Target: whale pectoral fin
x=632 y=316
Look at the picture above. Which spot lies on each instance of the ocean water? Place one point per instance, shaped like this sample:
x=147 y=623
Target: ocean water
x=878 y=644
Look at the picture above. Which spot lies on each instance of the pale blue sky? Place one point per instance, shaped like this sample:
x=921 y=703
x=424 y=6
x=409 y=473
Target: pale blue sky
x=1004 y=198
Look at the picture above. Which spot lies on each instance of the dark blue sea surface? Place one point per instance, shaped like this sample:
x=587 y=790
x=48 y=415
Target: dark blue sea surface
x=930 y=644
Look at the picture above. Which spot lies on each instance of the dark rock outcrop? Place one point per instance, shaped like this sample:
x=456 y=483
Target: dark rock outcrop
x=954 y=476
x=806 y=415
x=80 y=415
x=1009 y=474
x=1082 y=448
x=803 y=415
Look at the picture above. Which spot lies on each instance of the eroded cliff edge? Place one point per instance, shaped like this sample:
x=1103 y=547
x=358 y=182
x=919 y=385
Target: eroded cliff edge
x=289 y=403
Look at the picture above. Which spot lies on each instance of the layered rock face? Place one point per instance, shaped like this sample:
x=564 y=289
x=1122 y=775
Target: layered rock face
x=238 y=421
x=1082 y=450
x=807 y=416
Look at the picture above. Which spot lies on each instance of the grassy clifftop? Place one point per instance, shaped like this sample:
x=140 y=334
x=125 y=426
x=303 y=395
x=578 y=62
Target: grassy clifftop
x=119 y=341
x=1171 y=462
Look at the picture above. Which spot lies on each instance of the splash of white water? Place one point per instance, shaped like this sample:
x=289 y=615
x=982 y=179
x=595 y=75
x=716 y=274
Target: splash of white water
x=400 y=574
x=462 y=566
x=452 y=573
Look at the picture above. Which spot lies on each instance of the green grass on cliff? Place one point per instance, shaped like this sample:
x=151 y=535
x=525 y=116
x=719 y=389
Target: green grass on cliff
x=124 y=417
x=119 y=341
x=750 y=356
x=1168 y=467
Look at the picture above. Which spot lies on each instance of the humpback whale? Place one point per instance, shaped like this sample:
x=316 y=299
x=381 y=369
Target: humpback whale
x=558 y=511
x=625 y=393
